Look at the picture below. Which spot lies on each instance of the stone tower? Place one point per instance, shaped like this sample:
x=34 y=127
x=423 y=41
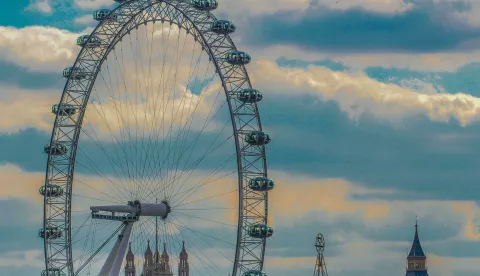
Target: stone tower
x=183 y=269
x=130 y=265
x=148 y=264
x=416 y=260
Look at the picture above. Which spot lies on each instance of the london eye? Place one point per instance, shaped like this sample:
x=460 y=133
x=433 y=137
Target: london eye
x=157 y=135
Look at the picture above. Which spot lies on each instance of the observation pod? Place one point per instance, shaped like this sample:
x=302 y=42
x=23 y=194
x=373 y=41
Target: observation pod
x=56 y=149
x=238 y=58
x=103 y=14
x=121 y=1
x=53 y=272
x=64 y=109
x=254 y=273
x=260 y=231
x=258 y=138
x=74 y=73
x=205 y=5
x=51 y=191
x=224 y=27
x=94 y=42
x=50 y=233
x=261 y=184
x=250 y=96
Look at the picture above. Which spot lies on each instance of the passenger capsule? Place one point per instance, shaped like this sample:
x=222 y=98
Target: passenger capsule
x=257 y=138
x=223 y=27
x=89 y=42
x=74 y=73
x=51 y=191
x=205 y=5
x=260 y=231
x=50 y=233
x=254 y=273
x=103 y=14
x=56 y=149
x=64 y=109
x=52 y=272
x=238 y=58
x=121 y=1
x=250 y=96
x=261 y=184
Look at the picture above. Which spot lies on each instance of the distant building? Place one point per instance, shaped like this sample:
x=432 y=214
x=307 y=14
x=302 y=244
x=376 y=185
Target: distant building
x=416 y=260
x=156 y=264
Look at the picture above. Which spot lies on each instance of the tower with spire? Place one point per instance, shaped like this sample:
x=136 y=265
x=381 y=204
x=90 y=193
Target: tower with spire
x=183 y=269
x=130 y=264
x=416 y=259
x=155 y=264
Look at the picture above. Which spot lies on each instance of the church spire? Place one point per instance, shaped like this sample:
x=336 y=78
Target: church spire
x=183 y=267
x=130 y=264
x=416 y=260
x=157 y=252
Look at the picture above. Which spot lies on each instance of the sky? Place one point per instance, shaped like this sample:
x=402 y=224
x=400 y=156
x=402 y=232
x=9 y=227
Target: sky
x=373 y=106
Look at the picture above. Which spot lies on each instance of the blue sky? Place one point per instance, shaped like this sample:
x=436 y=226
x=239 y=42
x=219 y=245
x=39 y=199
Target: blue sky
x=373 y=108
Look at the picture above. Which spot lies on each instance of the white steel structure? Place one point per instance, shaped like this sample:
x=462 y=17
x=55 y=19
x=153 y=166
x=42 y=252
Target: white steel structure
x=157 y=121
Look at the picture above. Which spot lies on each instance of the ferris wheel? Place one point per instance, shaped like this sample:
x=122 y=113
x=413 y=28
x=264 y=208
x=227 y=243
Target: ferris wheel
x=157 y=135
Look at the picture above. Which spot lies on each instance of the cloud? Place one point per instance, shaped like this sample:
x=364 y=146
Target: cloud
x=472 y=212
x=38 y=48
x=93 y=4
x=358 y=94
x=359 y=30
x=85 y=20
x=42 y=6
x=30 y=258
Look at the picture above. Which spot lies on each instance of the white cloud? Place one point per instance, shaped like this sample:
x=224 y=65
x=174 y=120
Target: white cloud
x=85 y=20
x=42 y=6
x=29 y=258
x=93 y=4
x=236 y=9
x=38 y=48
x=357 y=94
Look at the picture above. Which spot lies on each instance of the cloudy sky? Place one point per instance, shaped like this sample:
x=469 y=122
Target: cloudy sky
x=373 y=106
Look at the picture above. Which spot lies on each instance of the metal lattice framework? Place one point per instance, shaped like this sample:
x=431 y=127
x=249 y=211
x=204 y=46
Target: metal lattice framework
x=251 y=159
x=320 y=266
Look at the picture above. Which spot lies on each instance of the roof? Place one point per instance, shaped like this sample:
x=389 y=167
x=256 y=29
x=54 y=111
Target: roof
x=416 y=250
x=417 y=273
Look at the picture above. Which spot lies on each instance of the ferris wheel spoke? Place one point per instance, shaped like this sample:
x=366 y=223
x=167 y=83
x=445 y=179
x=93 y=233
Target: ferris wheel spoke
x=116 y=199
x=204 y=198
x=177 y=56
x=119 y=117
x=111 y=162
x=207 y=264
x=180 y=196
x=205 y=219
x=182 y=104
x=200 y=234
x=190 y=169
x=207 y=152
x=104 y=177
x=184 y=195
x=81 y=267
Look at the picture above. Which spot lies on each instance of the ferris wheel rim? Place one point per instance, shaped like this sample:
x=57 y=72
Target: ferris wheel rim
x=141 y=5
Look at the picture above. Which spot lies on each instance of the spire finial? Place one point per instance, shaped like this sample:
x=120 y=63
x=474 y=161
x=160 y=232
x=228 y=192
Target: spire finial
x=416 y=223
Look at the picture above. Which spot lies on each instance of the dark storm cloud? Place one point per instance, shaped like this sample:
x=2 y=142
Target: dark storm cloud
x=416 y=156
x=427 y=27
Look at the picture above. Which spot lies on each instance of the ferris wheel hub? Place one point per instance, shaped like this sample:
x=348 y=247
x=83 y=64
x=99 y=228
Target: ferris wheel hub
x=132 y=211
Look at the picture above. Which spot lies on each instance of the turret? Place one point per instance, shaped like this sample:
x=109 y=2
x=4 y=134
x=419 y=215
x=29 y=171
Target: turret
x=416 y=260
x=183 y=268
x=148 y=255
x=130 y=264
